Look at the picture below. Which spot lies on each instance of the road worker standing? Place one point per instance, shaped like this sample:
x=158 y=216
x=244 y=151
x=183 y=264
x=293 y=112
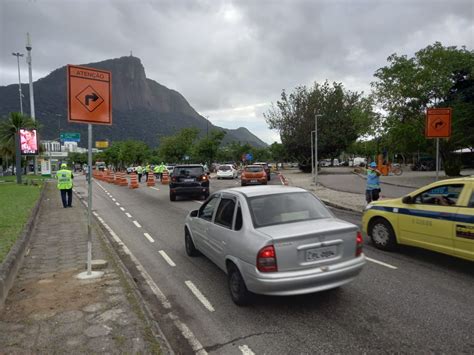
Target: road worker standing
x=64 y=177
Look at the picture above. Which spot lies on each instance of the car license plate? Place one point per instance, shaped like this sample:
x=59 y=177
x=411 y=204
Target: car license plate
x=321 y=253
x=253 y=180
x=188 y=180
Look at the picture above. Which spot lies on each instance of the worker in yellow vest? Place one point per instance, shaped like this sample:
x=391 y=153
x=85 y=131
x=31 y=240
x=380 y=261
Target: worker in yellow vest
x=156 y=171
x=64 y=177
x=147 y=171
x=161 y=169
x=139 y=171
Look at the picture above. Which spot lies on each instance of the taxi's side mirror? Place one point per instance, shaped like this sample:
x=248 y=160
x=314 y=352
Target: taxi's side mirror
x=407 y=199
x=194 y=213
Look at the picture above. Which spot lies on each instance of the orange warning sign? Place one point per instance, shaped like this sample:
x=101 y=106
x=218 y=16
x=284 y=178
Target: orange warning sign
x=438 y=123
x=89 y=95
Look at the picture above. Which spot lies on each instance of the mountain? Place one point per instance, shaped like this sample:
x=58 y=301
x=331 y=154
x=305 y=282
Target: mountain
x=142 y=108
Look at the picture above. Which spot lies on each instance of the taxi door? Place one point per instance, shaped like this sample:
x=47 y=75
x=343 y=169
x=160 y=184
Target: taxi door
x=464 y=227
x=428 y=222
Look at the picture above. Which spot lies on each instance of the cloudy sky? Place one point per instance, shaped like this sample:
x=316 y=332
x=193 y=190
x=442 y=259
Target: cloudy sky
x=231 y=59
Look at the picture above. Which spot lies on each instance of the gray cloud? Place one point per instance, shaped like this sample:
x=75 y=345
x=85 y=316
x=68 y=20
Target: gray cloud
x=227 y=54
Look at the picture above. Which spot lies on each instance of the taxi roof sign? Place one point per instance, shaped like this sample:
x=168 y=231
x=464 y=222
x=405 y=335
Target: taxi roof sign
x=438 y=123
x=89 y=95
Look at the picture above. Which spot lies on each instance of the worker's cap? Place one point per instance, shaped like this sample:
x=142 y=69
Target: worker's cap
x=373 y=165
x=63 y=165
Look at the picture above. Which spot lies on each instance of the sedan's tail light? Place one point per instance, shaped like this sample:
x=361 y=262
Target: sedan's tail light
x=359 y=243
x=266 y=259
x=174 y=179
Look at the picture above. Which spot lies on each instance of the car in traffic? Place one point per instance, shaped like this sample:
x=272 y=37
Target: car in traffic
x=188 y=180
x=274 y=240
x=253 y=174
x=438 y=217
x=226 y=172
x=266 y=167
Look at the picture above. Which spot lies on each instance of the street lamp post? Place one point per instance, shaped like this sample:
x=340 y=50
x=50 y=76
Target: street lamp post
x=18 y=55
x=315 y=180
x=312 y=156
x=32 y=98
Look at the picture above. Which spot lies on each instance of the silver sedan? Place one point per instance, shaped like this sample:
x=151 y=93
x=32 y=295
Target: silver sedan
x=274 y=240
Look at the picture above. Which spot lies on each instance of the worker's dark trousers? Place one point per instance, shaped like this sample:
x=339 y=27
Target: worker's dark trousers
x=66 y=197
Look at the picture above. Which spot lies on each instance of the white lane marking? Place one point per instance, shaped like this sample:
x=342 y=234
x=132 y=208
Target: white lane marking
x=118 y=204
x=167 y=258
x=137 y=224
x=382 y=263
x=149 y=237
x=199 y=296
x=246 y=350
x=154 y=188
x=123 y=209
x=200 y=202
x=185 y=331
x=128 y=215
x=113 y=199
x=188 y=334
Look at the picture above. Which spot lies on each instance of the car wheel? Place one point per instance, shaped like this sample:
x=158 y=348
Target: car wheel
x=238 y=291
x=382 y=234
x=189 y=244
x=242 y=184
x=172 y=197
x=269 y=177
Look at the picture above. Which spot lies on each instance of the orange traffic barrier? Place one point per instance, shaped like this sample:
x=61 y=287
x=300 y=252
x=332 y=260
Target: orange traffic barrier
x=133 y=181
x=120 y=179
x=151 y=179
x=165 y=177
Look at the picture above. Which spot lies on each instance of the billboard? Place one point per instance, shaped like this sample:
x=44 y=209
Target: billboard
x=28 y=142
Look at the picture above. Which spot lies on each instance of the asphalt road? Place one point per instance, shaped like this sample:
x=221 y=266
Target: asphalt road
x=411 y=301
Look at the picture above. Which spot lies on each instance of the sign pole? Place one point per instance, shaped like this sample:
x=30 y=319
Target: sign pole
x=312 y=157
x=89 y=203
x=437 y=159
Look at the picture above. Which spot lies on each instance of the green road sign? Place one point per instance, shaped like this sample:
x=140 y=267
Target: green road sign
x=70 y=137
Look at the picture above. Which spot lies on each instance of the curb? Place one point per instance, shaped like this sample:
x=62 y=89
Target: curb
x=116 y=251
x=14 y=259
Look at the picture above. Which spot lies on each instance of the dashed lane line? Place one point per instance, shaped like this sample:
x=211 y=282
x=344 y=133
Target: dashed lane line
x=167 y=258
x=113 y=199
x=200 y=202
x=150 y=239
x=381 y=263
x=123 y=209
x=118 y=204
x=200 y=296
x=246 y=350
x=137 y=224
x=154 y=188
x=128 y=215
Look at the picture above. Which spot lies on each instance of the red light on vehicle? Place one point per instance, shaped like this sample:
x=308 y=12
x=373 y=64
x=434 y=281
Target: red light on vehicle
x=203 y=178
x=173 y=178
x=359 y=243
x=266 y=259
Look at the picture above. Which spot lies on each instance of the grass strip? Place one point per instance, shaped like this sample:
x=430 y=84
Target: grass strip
x=16 y=205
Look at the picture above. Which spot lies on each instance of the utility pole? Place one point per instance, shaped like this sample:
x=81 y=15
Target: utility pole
x=32 y=97
x=18 y=55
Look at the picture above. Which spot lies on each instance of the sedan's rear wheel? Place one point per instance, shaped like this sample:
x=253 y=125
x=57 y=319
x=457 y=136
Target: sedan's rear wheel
x=382 y=234
x=189 y=244
x=238 y=291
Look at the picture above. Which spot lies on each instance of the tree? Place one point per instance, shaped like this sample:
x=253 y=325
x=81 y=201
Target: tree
x=346 y=115
x=205 y=150
x=174 y=148
x=436 y=76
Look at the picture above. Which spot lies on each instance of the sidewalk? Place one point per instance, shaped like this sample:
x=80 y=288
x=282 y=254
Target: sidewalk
x=49 y=310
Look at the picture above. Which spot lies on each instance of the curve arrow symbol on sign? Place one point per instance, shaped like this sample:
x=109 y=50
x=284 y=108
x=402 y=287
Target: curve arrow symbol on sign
x=92 y=97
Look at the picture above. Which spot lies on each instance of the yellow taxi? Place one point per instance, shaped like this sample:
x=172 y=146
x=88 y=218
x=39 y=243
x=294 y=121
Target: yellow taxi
x=439 y=217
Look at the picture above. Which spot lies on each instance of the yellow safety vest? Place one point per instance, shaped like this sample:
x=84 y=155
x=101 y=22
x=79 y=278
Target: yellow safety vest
x=64 y=179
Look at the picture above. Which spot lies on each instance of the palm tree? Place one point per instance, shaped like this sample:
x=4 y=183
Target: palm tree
x=9 y=136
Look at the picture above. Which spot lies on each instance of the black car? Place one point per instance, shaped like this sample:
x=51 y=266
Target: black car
x=190 y=180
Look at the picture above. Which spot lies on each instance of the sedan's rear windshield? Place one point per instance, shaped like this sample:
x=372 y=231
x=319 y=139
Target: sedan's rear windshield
x=188 y=171
x=253 y=169
x=286 y=208
x=224 y=168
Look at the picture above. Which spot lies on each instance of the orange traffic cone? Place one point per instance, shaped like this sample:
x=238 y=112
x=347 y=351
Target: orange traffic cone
x=151 y=179
x=133 y=181
x=165 y=177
